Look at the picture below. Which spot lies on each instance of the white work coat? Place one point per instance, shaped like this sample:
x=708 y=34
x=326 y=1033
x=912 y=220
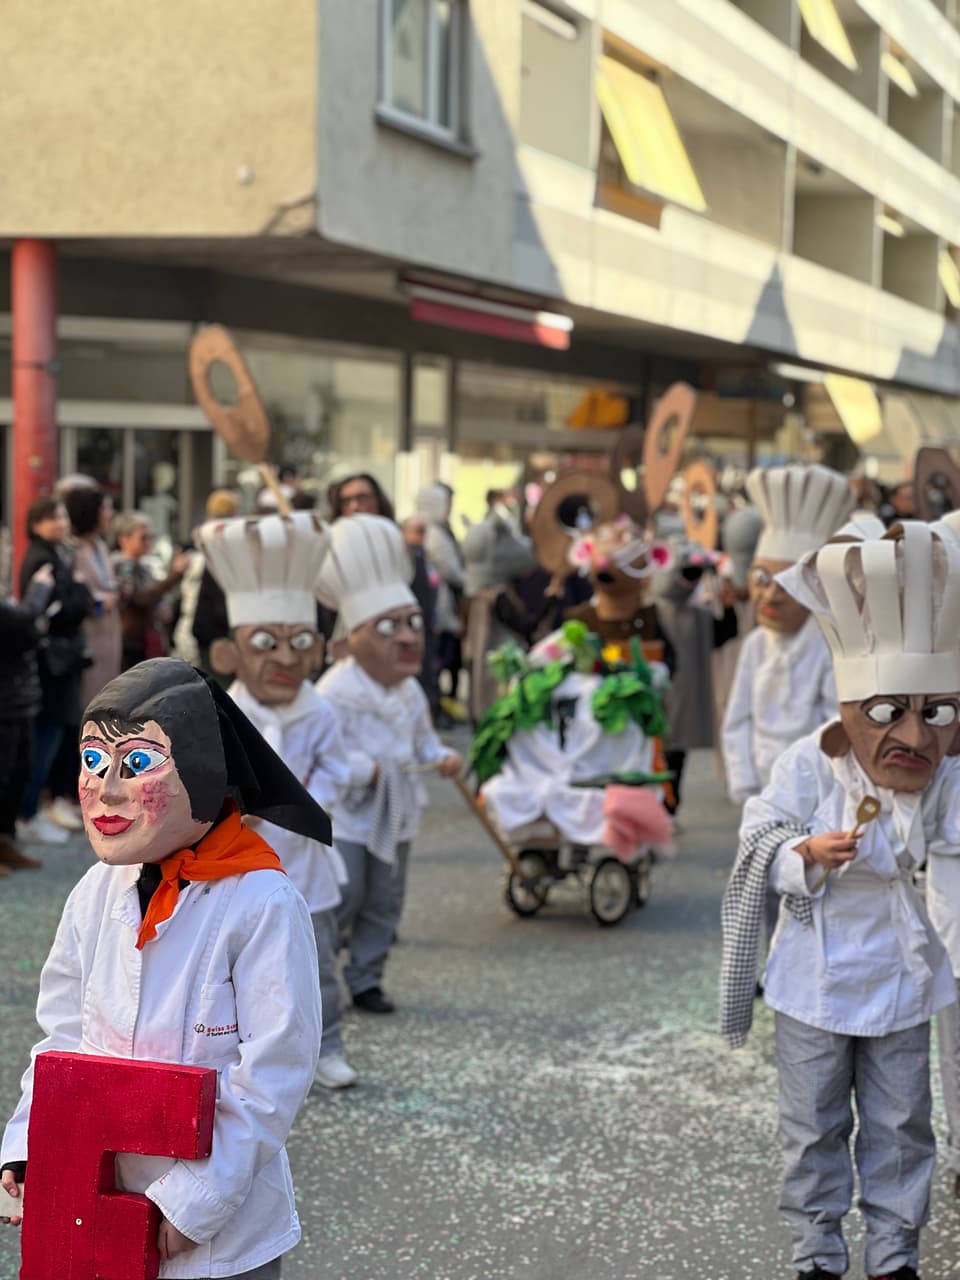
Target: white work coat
x=385 y=726
x=229 y=982
x=783 y=689
x=871 y=963
x=306 y=737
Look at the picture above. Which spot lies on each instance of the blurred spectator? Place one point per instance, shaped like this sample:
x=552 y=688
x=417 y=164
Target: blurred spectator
x=63 y=655
x=91 y=512
x=361 y=492
x=433 y=504
x=141 y=594
x=203 y=607
x=21 y=628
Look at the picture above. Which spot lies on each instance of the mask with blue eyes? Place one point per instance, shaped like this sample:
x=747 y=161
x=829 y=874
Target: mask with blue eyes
x=136 y=762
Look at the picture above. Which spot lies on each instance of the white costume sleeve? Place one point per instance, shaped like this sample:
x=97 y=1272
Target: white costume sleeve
x=427 y=747
x=792 y=795
x=331 y=773
x=59 y=1015
x=943 y=867
x=737 y=730
x=278 y=1015
x=828 y=708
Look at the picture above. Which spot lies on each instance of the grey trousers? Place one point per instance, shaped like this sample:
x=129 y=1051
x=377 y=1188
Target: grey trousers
x=370 y=911
x=948 y=1043
x=894 y=1148
x=326 y=930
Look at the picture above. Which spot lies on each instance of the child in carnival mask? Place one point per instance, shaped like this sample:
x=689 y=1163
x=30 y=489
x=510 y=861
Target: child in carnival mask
x=856 y=969
x=267 y=568
x=386 y=729
x=187 y=921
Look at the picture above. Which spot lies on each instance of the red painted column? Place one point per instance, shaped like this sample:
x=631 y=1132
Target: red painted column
x=34 y=311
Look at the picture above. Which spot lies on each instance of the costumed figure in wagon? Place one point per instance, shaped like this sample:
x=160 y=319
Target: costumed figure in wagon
x=565 y=758
x=856 y=969
x=187 y=944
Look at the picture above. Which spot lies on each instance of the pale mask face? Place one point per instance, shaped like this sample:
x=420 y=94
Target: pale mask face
x=901 y=739
x=134 y=803
x=774 y=607
x=390 y=648
x=274 y=659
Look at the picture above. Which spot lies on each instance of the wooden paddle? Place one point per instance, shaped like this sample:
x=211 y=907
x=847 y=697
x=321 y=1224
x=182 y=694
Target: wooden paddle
x=243 y=427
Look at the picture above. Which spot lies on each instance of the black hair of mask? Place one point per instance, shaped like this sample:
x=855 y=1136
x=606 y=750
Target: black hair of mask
x=217 y=752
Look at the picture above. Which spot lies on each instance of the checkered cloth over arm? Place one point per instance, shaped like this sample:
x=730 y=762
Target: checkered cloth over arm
x=742 y=917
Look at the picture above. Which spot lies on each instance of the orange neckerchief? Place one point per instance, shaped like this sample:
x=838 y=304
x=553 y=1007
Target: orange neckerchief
x=227 y=850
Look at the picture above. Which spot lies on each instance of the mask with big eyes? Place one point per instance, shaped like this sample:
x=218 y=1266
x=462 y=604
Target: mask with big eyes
x=901 y=739
x=389 y=648
x=272 y=659
x=135 y=806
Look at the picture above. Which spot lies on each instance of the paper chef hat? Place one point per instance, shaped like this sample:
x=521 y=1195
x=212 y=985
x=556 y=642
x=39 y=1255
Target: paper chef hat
x=889 y=607
x=801 y=508
x=267 y=566
x=367 y=571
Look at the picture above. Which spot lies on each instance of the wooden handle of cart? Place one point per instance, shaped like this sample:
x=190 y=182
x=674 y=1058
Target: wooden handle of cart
x=490 y=829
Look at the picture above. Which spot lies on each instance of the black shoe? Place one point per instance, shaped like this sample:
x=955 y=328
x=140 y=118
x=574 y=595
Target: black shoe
x=817 y=1273
x=901 y=1273
x=373 y=1001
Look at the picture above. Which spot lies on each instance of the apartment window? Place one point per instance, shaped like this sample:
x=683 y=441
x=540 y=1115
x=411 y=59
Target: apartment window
x=423 y=46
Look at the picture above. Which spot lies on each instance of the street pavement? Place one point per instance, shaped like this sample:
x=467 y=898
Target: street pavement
x=549 y=1102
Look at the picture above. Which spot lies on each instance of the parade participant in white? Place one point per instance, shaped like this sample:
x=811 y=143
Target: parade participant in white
x=783 y=687
x=856 y=969
x=386 y=728
x=267 y=568
x=187 y=925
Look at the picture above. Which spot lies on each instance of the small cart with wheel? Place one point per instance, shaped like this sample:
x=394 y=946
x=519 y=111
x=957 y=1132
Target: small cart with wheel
x=575 y=792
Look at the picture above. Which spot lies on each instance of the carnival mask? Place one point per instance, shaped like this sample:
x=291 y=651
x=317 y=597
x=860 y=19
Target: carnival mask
x=272 y=659
x=775 y=608
x=389 y=648
x=901 y=739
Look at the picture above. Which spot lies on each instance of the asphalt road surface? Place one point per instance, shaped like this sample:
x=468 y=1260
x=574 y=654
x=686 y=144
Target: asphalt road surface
x=549 y=1102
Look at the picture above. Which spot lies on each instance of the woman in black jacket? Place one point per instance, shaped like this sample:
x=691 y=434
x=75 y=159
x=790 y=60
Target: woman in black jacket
x=61 y=658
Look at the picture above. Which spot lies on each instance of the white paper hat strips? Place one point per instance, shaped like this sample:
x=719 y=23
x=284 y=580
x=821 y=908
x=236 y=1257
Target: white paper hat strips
x=367 y=571
x=267 y=566
x=802 y=507
x=890 y=610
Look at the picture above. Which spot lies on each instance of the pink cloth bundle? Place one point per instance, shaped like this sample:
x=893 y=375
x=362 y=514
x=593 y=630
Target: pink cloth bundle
x=635 y=816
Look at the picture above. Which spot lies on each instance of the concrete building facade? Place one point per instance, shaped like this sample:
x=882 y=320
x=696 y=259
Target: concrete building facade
x=437 y=226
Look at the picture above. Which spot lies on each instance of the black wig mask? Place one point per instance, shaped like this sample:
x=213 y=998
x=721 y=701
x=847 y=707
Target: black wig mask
x=218 y=753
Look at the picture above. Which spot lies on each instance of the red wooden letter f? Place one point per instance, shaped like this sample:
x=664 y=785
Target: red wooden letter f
x=85 y=1109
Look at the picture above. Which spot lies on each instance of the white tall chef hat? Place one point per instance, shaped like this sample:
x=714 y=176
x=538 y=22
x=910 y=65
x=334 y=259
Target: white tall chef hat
x=367 y=571
x=801 y=508
x=889 y=607
x=267 y=566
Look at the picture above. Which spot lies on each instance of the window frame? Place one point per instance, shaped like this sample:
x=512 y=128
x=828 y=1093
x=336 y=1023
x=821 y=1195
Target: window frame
x=428 y=125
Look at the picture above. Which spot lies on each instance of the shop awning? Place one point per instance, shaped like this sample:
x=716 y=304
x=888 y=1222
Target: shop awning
x=823 y=23
x=646 y=136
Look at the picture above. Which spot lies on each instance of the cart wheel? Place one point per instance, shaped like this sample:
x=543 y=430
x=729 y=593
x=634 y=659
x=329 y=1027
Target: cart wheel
x=642 y=874
x=526 y=899
x=611 y=891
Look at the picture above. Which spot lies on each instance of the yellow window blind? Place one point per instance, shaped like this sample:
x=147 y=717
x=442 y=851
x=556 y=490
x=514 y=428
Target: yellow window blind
x=823 y=23
x=897 y=71
x=857 y=406
x=646 y=136
x=950 y=277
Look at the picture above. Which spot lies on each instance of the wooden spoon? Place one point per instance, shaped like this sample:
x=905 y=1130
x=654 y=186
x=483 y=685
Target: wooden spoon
x=868 y=809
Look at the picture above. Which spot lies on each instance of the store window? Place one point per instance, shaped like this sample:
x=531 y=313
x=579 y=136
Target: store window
x=422 y=68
